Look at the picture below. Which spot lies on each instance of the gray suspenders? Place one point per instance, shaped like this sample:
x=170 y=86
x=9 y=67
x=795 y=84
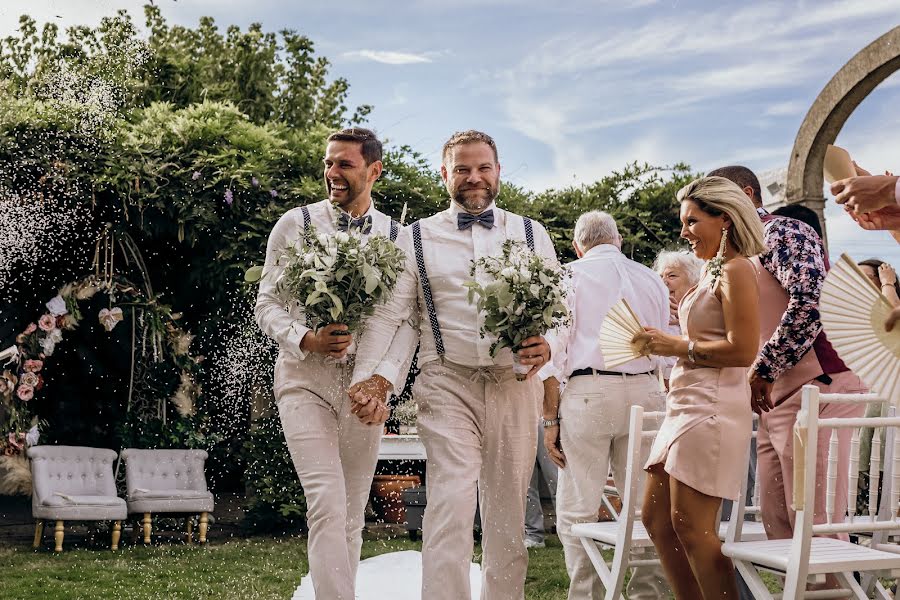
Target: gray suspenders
x=426 y=286
x=306 y=219
x=395 y=230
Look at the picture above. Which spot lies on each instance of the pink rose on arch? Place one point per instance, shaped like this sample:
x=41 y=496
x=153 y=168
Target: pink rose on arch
x=30 y=329
x=30 y=379
x=47 y=322
x=33 y=366
x=25 y=392
x=16 y=440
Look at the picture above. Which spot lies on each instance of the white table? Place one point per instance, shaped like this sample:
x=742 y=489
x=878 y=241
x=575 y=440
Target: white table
x=401 y=447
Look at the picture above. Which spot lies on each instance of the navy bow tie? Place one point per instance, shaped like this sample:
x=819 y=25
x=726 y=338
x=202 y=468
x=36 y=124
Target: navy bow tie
x=363 y=224
x=465 y=220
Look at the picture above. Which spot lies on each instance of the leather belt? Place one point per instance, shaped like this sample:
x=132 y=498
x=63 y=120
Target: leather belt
x=579 y=372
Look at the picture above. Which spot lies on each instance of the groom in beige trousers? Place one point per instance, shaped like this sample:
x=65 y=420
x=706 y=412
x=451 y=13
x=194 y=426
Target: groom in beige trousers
x=333 y=451
x=475 y=420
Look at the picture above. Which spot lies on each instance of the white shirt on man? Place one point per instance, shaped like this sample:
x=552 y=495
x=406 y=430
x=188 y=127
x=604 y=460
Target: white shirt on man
x=448 y=254
x=283 y=318
x=601 y=278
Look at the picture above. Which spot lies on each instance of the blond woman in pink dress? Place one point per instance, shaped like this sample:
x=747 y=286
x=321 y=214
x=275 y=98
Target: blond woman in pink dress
x=699 y=455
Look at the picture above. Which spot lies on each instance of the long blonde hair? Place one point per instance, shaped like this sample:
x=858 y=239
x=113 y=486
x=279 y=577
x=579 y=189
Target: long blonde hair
x=717 y=196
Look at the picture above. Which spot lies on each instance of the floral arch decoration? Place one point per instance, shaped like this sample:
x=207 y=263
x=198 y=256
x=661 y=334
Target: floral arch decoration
x=156 y=338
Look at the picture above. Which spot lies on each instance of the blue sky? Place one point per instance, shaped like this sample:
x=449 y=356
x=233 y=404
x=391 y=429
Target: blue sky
x=574 y=89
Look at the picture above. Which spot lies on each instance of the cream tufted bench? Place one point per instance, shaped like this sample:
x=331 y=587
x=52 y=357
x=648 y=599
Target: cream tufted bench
x=167 y=481
x=74 y=483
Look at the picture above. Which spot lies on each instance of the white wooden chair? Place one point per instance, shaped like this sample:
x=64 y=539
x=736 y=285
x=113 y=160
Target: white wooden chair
x=626 y=532
x=805 y=557
x=737 y=528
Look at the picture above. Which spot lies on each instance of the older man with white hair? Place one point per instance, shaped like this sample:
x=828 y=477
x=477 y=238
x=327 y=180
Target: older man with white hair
x=586 y=429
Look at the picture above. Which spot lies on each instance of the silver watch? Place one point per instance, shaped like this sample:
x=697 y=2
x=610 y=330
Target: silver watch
x=550 y=422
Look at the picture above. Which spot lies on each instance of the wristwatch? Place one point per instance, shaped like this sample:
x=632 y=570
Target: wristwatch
x=550 y=422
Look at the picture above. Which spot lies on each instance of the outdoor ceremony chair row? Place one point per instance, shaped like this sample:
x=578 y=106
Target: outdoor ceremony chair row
x=78 y=483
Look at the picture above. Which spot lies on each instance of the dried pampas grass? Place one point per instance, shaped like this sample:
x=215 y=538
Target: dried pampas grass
x=15 y=475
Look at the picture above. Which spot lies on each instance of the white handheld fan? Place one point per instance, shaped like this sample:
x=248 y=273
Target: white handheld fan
x=618 y=329
x=853 y=314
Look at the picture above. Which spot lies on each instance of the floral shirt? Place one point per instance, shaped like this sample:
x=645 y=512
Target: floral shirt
x=796 y=258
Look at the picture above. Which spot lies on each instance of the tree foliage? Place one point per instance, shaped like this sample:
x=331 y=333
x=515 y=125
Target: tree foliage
x=194 y=141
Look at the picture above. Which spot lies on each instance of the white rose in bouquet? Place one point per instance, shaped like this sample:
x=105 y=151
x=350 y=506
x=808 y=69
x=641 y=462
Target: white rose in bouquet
x=526 y=298
x=339 y=278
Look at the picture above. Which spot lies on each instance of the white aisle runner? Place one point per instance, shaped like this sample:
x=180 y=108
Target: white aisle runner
x=395 y=575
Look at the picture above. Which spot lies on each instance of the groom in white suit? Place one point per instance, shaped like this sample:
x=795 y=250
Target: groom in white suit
x=475 y=419
x=333 y=451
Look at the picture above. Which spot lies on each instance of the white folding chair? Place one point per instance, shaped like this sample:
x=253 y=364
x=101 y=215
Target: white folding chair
x=626 y=532
x=805 y=557
x=736 y=528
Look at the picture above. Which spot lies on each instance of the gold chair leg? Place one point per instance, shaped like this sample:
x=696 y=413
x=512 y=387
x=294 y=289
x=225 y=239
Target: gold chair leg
x=190 y=530
x=38 y=534
x=147 y=525
x=116 y=533
x=58 y=533
x=204 y=522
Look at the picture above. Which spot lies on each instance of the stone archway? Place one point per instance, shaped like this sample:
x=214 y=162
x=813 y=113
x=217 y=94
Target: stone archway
x=834 y=105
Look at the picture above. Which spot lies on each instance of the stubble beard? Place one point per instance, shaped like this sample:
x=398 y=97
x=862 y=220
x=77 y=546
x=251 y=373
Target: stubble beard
x=475 y=204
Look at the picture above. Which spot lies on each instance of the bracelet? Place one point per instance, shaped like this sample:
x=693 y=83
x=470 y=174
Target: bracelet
x=887 y=285
x=691 y=351
x=550 y=422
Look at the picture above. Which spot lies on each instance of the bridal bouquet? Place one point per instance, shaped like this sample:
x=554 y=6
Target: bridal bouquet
x=525 y=298
x=338 y=278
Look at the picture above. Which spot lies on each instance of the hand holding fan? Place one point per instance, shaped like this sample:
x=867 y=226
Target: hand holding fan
x=853 y=314
x=618 y=329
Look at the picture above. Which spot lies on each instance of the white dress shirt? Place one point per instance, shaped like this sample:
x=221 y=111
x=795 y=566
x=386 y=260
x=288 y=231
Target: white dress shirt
x=599 y=279
x=282 y=318
x=448 y=253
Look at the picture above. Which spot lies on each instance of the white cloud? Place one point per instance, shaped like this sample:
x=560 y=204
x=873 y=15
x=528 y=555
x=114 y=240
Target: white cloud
x=387 y=57
x=785 y=109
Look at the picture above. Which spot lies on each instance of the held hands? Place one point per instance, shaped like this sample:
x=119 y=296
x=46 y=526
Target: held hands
x=369 y=400
x=333 y=340
x=535 y=351
x=654 y=341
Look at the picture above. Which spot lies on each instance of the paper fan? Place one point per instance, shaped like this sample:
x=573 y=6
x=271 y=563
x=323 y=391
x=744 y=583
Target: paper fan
x=853 y=314
x=618 y=329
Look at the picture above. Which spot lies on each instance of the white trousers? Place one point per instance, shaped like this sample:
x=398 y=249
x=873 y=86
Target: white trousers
x=335 y=457
x=594 y=413
x=477 y=426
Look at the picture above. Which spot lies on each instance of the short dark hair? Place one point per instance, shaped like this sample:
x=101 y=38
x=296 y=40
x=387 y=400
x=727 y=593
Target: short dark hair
x=801 y=213
x=468 y=137
x=742 y=176
x=371 y=149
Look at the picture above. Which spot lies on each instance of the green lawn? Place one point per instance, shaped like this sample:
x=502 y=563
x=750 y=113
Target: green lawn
x=255 y=568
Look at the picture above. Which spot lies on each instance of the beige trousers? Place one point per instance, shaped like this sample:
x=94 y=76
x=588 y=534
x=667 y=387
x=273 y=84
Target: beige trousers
x=335 y=457
x=594 y=413
x=477 y=426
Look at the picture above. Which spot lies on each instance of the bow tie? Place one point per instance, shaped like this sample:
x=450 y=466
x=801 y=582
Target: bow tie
x=465 y=220
x=363 y=224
